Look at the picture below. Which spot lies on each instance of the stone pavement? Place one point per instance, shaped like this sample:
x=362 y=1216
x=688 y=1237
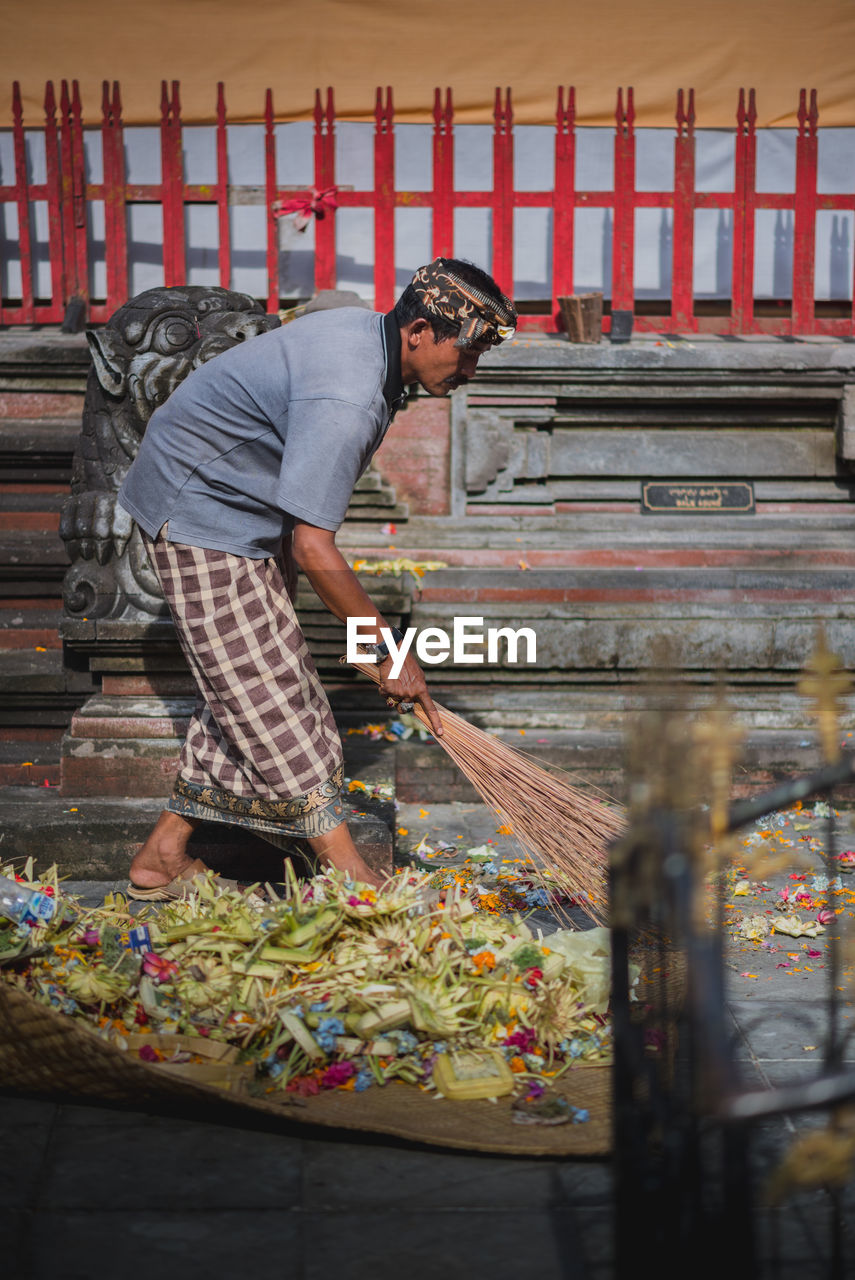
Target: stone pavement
x=89 y=1192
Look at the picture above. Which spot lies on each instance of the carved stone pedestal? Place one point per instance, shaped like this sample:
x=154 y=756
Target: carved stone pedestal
x=125 y=740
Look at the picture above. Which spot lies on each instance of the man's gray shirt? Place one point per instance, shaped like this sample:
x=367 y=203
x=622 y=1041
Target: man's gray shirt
x=280 y=426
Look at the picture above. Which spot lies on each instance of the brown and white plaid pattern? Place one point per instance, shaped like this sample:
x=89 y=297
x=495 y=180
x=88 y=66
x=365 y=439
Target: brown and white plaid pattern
x=262 y=749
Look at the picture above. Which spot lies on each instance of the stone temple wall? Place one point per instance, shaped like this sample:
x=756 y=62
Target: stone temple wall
x=533 y=486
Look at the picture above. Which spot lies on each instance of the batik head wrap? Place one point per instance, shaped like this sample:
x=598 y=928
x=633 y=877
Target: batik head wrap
x=481 y=318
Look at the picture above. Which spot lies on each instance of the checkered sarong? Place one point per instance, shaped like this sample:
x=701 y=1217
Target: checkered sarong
x=262 y=749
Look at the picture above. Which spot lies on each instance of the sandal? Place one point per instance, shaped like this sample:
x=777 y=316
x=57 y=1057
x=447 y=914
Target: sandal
x=181 y=886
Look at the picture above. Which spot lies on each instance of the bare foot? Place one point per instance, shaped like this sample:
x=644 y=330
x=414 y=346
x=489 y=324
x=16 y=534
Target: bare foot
x=357 y=868
x=336 y=849
x=164 y=854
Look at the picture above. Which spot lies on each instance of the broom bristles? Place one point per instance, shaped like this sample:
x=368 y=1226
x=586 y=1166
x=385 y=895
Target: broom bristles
x=565 y=830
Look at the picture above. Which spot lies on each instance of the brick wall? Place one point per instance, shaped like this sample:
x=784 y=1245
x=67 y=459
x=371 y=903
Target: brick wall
x=415 y=457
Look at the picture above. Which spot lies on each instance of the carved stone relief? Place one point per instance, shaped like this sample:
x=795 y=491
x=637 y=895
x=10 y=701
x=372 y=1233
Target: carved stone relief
x=506 y=450
x=141 y=355
x=600 y=442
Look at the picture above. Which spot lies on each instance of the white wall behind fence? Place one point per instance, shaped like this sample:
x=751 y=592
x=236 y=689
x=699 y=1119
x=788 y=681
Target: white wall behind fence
x=533 y=171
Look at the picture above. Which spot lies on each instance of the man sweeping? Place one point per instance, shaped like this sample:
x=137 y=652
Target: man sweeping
x=243 y=477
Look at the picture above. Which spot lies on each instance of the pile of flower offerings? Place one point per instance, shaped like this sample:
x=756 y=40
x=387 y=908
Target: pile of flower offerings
x=331 y=985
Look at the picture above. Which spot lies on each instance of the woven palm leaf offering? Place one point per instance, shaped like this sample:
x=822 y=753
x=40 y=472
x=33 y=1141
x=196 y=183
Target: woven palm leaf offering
x=566 y=830
x=323 y=1002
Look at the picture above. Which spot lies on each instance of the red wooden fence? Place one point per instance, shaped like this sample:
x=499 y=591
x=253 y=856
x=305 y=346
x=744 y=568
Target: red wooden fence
x=66 y=194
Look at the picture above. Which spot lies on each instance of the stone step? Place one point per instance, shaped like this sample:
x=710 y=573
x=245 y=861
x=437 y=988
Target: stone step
x=36 y=690
x=31 y=506
x=37 y=450
x=30 y=625
x=528 y=715
x=32 y=554
x=615 y=539
x=23 y=436
x=792 y=575
x=93 y=838
x=375 y=511
x=391 y=593
x=154 y=685
x=104 y=716
x=372 y=497
x=40 y=672
x=425 y=772
x=29 y=761
x=130 y=745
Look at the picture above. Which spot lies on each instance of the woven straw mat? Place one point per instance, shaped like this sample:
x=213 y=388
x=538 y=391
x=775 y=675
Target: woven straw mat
x=45 y=1053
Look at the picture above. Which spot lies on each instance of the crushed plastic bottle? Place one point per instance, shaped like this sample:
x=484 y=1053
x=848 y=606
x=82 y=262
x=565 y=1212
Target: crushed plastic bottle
x=23 y=905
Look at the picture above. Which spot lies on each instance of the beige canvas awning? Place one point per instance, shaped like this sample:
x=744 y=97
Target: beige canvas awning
x=296 y=46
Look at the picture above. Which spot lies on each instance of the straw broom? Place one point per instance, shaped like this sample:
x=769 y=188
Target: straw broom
x=564 y=829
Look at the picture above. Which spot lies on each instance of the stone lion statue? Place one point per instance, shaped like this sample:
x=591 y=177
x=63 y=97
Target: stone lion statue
x=146 y=348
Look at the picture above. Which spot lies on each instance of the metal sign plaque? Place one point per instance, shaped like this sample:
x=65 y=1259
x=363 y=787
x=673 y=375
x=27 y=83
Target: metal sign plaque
x=707 y=498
